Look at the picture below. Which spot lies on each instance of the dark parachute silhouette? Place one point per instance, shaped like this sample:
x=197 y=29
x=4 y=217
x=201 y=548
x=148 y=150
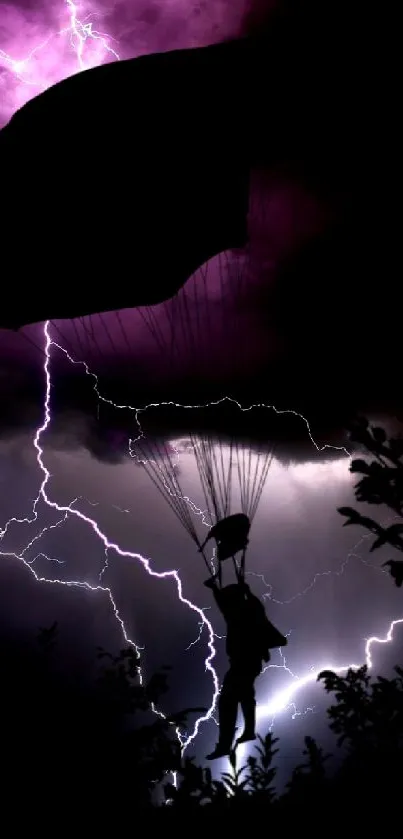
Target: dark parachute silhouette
x=121 y=181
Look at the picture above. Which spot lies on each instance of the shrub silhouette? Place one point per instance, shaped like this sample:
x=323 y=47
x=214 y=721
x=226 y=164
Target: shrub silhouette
x=381 y=484
x=77 y=737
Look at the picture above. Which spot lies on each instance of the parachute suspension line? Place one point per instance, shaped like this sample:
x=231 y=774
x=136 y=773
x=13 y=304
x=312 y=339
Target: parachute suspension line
x=225 y=481
x=229 y=481
x=108 y=333
x=90 y=336
x=250 y=485
x=154 y=327
x=242 y=564
x=242 y=477
x=186 y=321
x=66 y=343
x=214 y=485
x=208 y=466
x=91 y=339
x=160 y=486
x=252 y=481
x=261 y=483
x=206 y=478
x=170 y=481
x=123 y=330
x=166 y=482
x=33 y=343
x=198 y=302
x=208 y=319
x=78 y=337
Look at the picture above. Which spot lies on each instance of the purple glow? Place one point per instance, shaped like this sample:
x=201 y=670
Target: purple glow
x=40 y=47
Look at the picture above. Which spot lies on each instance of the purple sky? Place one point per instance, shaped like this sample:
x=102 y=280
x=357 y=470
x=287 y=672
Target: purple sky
x=45 y=42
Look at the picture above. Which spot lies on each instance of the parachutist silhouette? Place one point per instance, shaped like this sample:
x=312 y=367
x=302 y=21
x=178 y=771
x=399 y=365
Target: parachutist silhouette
x=396 y=570
x=250 y=636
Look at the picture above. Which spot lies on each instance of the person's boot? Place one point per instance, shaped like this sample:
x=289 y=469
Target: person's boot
x=221 y=750
x=227 y=731
x=246 y=736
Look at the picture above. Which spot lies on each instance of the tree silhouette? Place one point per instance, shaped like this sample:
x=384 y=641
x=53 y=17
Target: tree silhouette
x=368 y=720
x=74 y=735
x=381 y=484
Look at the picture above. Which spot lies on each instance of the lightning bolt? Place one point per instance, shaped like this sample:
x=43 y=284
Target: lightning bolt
x=70 y=510
x=283 y=699
x=328 y=572
x=87 y=46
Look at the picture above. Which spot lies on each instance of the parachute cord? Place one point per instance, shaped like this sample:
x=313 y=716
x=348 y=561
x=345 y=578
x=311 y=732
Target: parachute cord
x=187 y=524
x=167 y=483
x=123 y=330
x=263 y=478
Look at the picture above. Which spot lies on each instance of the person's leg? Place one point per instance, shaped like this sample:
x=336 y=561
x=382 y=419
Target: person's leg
x=248 y=704
x=227 y=714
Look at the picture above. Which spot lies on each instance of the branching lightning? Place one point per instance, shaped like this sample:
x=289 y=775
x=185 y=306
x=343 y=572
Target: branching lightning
x=80 y=35
x=88 y=45
x=352 y=554
x=70 y=510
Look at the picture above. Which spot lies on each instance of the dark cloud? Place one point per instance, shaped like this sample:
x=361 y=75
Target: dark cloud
x=320 y=238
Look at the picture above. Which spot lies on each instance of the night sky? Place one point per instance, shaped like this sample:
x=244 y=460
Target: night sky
x=320 y=585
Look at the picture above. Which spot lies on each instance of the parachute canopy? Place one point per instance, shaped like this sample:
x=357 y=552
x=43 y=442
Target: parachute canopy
x=120 y=182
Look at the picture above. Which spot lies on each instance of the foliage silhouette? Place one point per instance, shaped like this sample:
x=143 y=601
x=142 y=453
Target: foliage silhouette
x=74 y=738
x=98 y=731
x=248 y=785
x=368 y=718
x=381 y=484
x=309 y=776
